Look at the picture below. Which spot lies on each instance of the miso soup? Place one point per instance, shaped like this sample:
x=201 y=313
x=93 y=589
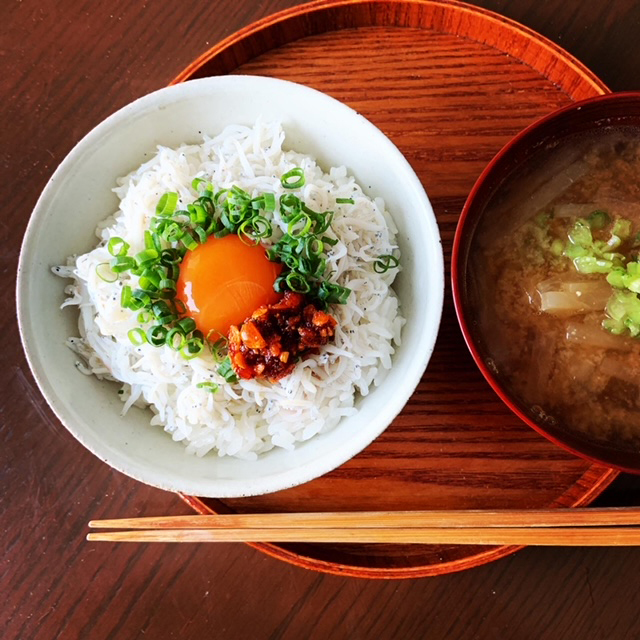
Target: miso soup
x=553 y=280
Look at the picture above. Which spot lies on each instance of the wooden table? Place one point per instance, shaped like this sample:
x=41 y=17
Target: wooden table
x=67 y=66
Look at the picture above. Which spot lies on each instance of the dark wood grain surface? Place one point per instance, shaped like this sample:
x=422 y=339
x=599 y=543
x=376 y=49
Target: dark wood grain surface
x=67 y=65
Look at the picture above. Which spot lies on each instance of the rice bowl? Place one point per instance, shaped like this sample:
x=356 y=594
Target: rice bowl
x=79 y=196
x=252 y=416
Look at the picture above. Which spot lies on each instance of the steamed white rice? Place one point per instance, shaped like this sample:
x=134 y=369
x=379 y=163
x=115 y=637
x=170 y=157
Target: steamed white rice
x=252 y=416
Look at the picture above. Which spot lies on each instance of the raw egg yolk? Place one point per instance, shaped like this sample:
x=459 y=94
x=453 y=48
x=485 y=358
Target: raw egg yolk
x=223 y=281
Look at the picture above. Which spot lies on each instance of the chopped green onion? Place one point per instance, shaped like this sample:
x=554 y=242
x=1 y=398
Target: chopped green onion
x=167 y=204
x=220 y=197
x=149 y=279
x=120 y=264
x=146 y=258
x=297 y=283
x=172 y=232
x=152 y=241
x=201 y=185
x=591 y=264
x=179 y=307
x=137 y=336
x=169 y=257
x=621 y=228
x=290 y=206
x=293 y=179
x=192 y=348
x=385 y=262
x=157 y=335
x=227 y=372
x=162 y=313
x=574 y=251
x=312 y=246
x=167 y=284
x=345 y=201
x=255 y=228
x=323 y=222
x=300 y=225
x=596 y=255
x=268 y=201
x=105 y=272
x=197 y=213
x=117 y=246
x=125 y=296
x=206 y=202
x=256 y=203
x=201 y=233
x=209 y=386
x=580 y=234
x=186 y=325
x=332 y=293
x=170 y=340
x=598 y=220
x=218 y=348
x=248 y=240
x=138 y=300
x=188 y=242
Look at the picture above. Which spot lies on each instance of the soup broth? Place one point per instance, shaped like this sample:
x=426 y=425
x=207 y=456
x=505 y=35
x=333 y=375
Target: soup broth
x=553 y=281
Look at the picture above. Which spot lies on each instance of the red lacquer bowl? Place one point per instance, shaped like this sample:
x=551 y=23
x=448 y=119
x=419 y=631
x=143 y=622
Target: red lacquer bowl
x=551 y=131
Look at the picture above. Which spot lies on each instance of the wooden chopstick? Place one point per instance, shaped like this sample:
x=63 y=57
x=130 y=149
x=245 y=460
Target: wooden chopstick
x=547 y=527
x=585 y=517
x=548 y=536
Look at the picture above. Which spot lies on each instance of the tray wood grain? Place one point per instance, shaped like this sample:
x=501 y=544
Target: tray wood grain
x=449 y=84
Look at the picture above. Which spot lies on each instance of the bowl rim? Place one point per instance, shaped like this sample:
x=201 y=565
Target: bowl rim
x=457 y=272
x=274 y=481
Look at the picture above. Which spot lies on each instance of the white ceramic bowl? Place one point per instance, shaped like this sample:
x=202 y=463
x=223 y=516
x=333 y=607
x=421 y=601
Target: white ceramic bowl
x=79 y=195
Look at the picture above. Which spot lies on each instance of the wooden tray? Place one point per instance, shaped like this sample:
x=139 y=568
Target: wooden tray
x=449 y=84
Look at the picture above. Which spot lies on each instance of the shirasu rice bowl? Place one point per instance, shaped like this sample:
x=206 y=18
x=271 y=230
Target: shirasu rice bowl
x=249 y=417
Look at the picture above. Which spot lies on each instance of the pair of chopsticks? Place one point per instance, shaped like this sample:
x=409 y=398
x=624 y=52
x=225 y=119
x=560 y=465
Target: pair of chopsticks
x=548 y=527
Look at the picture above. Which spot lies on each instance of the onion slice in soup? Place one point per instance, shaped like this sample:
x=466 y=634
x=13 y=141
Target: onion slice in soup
x=613 y=206
x=571 y=298
x=593 y=335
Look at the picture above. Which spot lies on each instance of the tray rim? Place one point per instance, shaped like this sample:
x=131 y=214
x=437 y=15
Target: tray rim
x=602 y=476
x=455 y=5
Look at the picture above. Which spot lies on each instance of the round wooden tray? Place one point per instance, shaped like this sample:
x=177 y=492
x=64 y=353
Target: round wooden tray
x=449 y=84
